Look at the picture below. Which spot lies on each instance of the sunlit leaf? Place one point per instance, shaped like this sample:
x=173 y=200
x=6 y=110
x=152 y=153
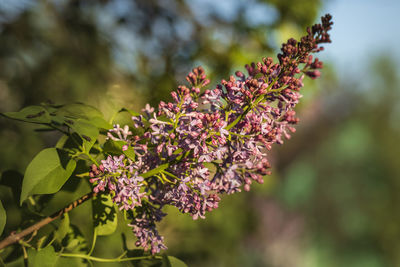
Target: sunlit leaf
x=74 y=241
x=104 y=215
x=46 y=257
x=133 y=113
x=57 y=119
x=115 y=147
x=61 y=142
x=83 y=111
x=35 y=114
x=46 y=173
x=171 y=261
x=70 y=262
x=87 y=131
x=62 y=228
x=130 y=153
x=175 y=262
x=79 y=110
x=100 y=123
x=73 y=142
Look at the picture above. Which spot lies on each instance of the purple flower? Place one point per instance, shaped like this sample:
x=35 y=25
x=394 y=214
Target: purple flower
x=191 y=154
x=122 y=133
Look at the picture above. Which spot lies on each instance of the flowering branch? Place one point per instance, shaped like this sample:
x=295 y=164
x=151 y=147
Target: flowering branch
x=186 y=153
x=190 y=151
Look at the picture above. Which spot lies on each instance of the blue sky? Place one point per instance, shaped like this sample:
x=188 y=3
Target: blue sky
x=362 y=29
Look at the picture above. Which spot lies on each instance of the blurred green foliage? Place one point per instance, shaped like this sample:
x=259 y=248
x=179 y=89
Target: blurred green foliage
x=332 y=199
x=342 y=174
x=114 y=53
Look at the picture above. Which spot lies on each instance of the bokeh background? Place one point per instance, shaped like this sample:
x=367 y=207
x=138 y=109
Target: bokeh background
x=333 y=198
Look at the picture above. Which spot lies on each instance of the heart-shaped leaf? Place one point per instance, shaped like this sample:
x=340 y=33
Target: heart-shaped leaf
x=47 y=173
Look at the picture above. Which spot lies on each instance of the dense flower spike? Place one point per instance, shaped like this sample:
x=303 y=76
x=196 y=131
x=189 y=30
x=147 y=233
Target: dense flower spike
x=202 y=145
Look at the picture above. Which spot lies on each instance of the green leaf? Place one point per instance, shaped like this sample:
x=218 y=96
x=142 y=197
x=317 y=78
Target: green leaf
x=61 y=142
x=46 y=257
x=74 y=241
x=100 y=123
x=165 y=261
x=82 y=111
x=72 y=143
x=62 y=228
x=79 y=110
x=155 y=171
x=175 y=262
x=34 y=114
x=12 y=180
x=57 y=119
x=148 y=263
x=115 y=147
x=104 y=215
x=2 y=218
x=130 y=153
x=133 y=113
x=87 y=131
x=45 y=129
x=71 y=262
x=47 y=173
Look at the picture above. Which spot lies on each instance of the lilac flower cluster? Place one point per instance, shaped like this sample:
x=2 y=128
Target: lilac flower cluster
x=121 y=179
x=206 y=143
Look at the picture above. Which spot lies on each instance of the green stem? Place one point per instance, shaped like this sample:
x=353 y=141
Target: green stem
x=165 y=178
x=88 y=257
x=93 y=243
x=91 y=158
x=2 y=264
x=278 y=89
x=245 y=111
x=241 y=135
x=25 y=256
x=171 y=175
x=82 y=175
x=159 y=178
x=249 y=107
x=123 y=254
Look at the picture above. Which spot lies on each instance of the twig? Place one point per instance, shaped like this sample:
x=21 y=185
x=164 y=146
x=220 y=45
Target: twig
x=13 y=238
